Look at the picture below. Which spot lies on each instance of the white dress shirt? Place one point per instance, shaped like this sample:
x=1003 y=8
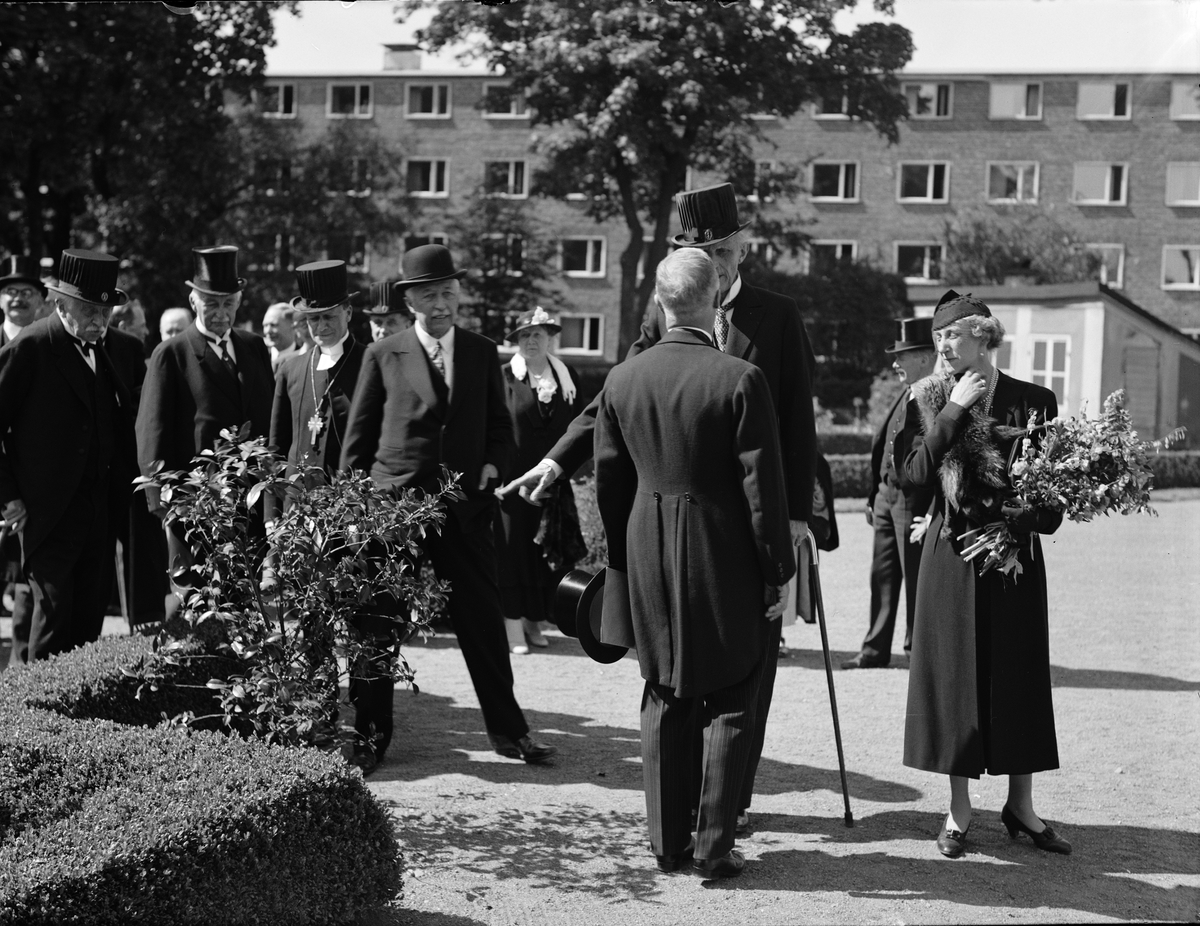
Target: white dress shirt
x=447 y=342
x=11 y=330
x=733 y=291
x=224 y=343
x=329 y=356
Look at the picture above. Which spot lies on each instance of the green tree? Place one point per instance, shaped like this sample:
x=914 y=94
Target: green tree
x=984 y=246
x=630 y=95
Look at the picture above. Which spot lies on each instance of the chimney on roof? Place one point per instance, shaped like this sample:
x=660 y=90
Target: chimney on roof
x=401 y=58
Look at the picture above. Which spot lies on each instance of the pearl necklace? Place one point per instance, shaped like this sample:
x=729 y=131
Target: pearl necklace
x=987 y=400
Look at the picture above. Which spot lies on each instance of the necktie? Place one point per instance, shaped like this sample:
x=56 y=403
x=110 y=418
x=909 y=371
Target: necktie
x=221 y=346
x=439 y=359
x=88 y=350
x=721 y=327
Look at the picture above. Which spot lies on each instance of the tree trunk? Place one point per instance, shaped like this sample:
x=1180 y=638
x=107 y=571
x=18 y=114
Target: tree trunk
x=632 y=308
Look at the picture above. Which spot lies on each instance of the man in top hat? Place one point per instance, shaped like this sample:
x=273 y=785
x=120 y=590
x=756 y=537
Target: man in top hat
x=388 y=313
x=759 y=326
x=279 y=333
x=63 y=486
x=434 y=396
x=895 y=504
x=22 y=295
x=687 y=446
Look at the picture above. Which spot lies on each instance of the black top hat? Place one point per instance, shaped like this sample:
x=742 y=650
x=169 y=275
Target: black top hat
x=577 y=608
x=20 y=268
x=90 y=276
x=709 y=215
x=322 y=286
x=951 y=307
x=430 y=263
x=385 y=299
x=911 y=334
x=538 y=316
x=214 y=271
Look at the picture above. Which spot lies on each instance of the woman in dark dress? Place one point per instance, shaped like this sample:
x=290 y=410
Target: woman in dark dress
x=543 y=398
x=979 y=698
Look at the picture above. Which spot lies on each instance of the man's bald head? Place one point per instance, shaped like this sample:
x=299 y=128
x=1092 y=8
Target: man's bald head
x=173 y=322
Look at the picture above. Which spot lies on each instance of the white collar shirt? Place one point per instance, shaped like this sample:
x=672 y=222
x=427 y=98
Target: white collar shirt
x=222 y=345
x=278 y=356
x=732 y=294
x=329 y=356
x=11 y=330
x=447 y=343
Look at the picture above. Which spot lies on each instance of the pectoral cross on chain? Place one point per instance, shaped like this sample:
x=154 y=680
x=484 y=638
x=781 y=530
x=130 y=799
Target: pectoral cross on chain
x=315 y=425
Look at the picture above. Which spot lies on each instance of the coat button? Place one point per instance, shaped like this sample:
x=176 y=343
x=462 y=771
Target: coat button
x=687 y=496
x=657 y=496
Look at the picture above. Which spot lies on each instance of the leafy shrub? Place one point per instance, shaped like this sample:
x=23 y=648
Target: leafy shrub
x=590 y=525
x=1175 y=468
x=844 y=441
x=851 y=474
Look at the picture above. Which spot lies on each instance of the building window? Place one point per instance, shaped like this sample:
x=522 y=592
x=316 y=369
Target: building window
x=1004 y=356
x=501 y=101
x=277 y=101
x=427 y=177
x=1012 y=181
x=1100 y=184
x=348 y=101
x=428 y=101
x=270 y=252
x=761 y=190
x=416 y=241
x=1050 y=356
x=505 y=178
x=351 y=177
x=928 y=101
x=831 y=105
x=1181 y=266
x=924 y=183
x=919 y=263
x=834 y=182
x=1183 y=183
x=583 y=257
x=581 y=334
x=1015 y=101
x=1185 y=99
x=823 y=255
x=350 y=248
x=503 y=255
x=1102 y=100
x=760 y=249
x=1112 y=263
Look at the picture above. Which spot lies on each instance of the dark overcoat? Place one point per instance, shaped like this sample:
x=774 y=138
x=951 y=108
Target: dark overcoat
x=690 y=487
x=979 y=697
x=403 y=427
x=190 y=396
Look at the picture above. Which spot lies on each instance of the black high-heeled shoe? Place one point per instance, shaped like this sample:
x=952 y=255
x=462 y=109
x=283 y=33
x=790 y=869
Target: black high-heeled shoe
x=1047 y=840
x=952 y=843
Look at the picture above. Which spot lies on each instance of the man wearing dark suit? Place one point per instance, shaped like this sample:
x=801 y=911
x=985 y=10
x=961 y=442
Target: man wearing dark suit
x=687 y=447
x=761 y=327
x=211 y=377
x=429 y=397
x=67 y=455
x=894 y=505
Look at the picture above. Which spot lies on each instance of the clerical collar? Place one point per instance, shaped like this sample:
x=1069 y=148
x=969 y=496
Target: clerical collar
x=733 y=290
x=327 y=357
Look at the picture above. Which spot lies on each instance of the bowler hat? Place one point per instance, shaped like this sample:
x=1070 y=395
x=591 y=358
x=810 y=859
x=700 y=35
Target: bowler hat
x=538 y=316
x=385 y=299
x=578 y=602
x=214 y=271
x=89 y=276
x=322 y=286
x=911 y=334
x=708 y=215
x=430 y=263
x=20 y=268
x=951 y=307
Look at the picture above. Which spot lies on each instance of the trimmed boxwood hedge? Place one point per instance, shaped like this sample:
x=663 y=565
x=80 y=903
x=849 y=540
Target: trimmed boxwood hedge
x=103 y=822
x=1176 y=469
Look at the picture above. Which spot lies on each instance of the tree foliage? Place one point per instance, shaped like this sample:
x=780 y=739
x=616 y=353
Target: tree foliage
x=628 y=96
x=984 y=246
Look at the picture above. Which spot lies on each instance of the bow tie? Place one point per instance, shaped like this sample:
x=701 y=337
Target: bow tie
x=86 y=346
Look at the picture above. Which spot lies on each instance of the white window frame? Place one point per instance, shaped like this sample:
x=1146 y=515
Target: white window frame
x=281 y=86
x=585 y=274
x=762 y=172
x=277 y=262
x=514 y=98
x=920 y=244
x=900 y=198
x=935 y=84
x=1119 y=282
x=1185 y=100
x=828 y=242
x=512 y=171
x=1021 y=115
x=358 y=86
x=1108 y=201
x=1010 y=341
x=1194 y=284
x=841 y=165
x=815 y=111
x=1111 y=86
x=1048 y=373
x=411 y=85
x=761 y=247
x=429 y=194
x=585 y=351
x=508 y=240
x=1020 y=165
x=1178 y=165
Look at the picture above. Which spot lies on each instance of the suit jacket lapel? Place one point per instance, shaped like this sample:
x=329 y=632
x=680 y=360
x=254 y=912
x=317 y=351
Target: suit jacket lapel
x=464 y=374
x=414 y=364
x=213 y=365
x=747 y=316
x=70 y=362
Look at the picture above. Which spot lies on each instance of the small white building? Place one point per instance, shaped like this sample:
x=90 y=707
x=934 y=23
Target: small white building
x=1084 y=340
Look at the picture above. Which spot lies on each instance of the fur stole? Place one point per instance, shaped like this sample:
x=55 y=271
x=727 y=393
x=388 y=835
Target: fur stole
x=973 y=473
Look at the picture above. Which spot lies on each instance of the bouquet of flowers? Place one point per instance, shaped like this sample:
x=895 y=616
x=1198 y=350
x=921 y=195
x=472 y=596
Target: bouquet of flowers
x=1082 y=467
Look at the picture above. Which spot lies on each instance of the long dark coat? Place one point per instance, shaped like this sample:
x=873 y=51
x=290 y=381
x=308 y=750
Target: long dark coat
x=190 y=395
x=979 y=696
x=690 y=487
x=526 y=582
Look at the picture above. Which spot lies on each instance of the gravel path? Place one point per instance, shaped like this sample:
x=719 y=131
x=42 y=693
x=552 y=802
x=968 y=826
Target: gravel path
x=488 y=840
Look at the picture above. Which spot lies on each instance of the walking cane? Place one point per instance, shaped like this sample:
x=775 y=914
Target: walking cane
x=819 y=602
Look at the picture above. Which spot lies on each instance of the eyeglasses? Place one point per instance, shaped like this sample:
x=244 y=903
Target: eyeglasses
x=12 y=292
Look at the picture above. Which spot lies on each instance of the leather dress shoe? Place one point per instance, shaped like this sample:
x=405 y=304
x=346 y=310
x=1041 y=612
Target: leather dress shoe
x=742 y=826
x=670 y=863
x=1047 y=840
x=952 y=843
x=525 y=748
x=729 y=865
x=364 y=759
x=865 y=661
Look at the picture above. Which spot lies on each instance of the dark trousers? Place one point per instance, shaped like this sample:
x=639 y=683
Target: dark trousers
x=894 y=563
x=766 y=688
x=22 y=619
x=144 y=561
x=668 y=761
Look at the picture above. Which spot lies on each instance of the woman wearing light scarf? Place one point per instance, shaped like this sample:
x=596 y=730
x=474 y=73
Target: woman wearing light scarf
x=536 y=546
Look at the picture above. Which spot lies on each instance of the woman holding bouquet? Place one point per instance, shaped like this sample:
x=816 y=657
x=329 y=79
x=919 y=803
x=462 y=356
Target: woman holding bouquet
x=979 y=698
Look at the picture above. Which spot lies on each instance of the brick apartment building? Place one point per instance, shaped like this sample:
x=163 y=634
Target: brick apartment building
x=1116 y=157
